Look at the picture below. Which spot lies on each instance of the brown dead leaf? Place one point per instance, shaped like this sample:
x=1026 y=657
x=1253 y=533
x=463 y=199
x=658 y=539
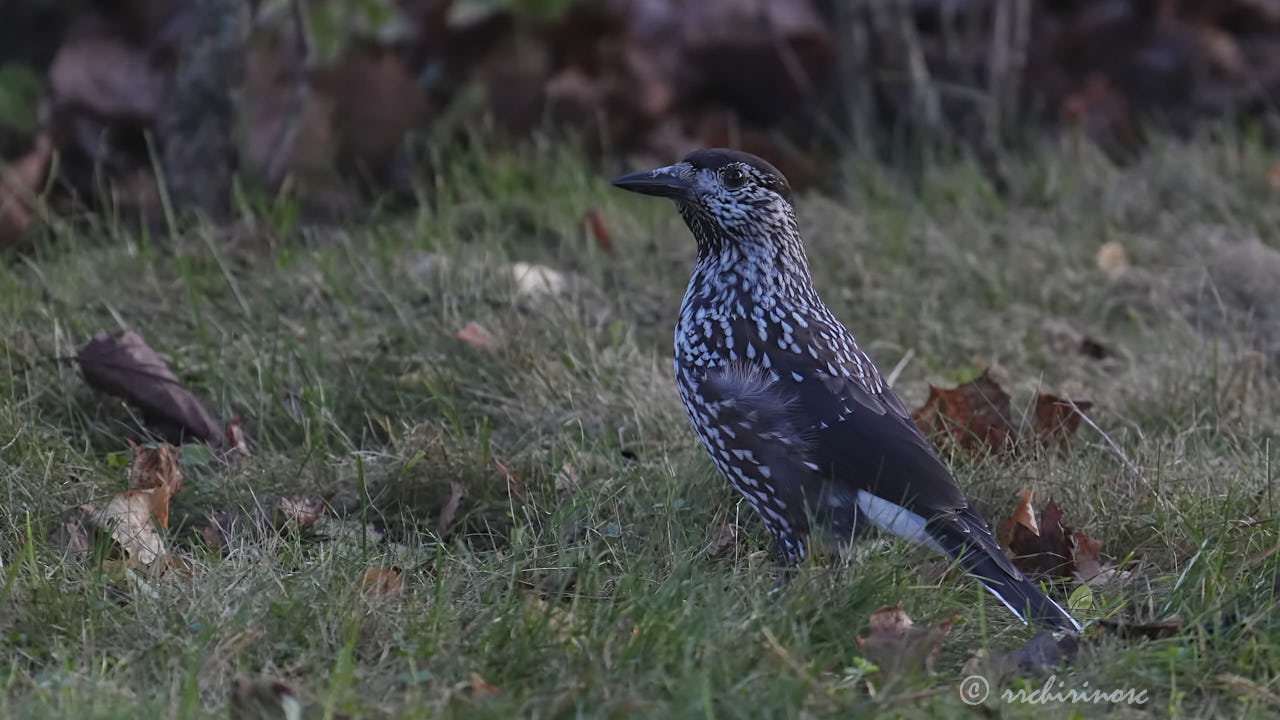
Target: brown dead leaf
x=1057 y=418
x=1046 y=554
x=382 y=581
x=299 y=512
x=897 y=645
x=235 y=436
x=124 y=365
x=450 y=509
x=975 y=415
x=1051 y=550
x=20 y=183
x=480 y=685
x=1086 y=559
x=476 y=335
x=1024 y=517
x=131 y=519
x=154 y=467
x=599 y=228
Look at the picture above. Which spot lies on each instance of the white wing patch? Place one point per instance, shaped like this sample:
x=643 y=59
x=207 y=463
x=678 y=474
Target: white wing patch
x=896 y=520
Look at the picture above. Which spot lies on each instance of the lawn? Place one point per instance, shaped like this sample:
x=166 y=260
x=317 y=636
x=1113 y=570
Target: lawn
x=598 y=576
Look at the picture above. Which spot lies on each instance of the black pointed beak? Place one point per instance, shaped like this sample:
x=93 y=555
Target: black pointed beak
x=667 y=182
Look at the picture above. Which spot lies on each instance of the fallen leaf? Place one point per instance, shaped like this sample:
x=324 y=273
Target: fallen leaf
x=1086 y=559
x=475 y=335
x=1057 y=419
x=599 y=228
x=299 y=512
x=480 y=685
x=1112 y=259
x=235 y=438
x=450 y=509
x=20 y=183
x=131 y=519
x=154 y=467
x=382 y=581
x=264 y=700
x=1050 y=550
x=897 y=646
x=568 y=480
x=1043 y=554
x=1024 y=517
x=124 y=365
x=974 y=414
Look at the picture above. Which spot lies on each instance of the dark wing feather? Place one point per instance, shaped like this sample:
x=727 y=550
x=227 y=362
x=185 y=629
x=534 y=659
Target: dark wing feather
x=862 y=435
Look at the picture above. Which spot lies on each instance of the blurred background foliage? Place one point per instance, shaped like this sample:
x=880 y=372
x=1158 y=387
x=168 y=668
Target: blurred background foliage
x=345 y=101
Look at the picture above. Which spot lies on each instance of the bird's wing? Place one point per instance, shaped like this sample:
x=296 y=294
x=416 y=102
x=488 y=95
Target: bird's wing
x=860 y=434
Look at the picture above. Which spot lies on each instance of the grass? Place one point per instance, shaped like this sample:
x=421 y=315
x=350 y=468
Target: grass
x=600 y=598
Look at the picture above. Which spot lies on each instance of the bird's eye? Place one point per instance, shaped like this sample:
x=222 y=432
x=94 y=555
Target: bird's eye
x=733 y=178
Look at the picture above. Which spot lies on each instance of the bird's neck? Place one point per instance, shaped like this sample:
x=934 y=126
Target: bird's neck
x=748 y=271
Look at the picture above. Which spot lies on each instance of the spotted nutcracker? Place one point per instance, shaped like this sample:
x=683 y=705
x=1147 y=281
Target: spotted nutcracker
x=791 y=410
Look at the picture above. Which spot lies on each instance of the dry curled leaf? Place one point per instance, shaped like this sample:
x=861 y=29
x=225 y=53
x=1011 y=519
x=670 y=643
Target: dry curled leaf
x=1050 y=550
x=131 y=517
x=475 y=335
x=1057 y=419
x=1046 y=554
x=155 y=467
x=1022 y=520
x=599 y=228
x=124 y=365
x=899 y=646
x=235 y=438
x=382 y=581
x=975 y=415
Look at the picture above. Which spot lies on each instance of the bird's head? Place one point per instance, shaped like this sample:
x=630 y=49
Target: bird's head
x=725 y=196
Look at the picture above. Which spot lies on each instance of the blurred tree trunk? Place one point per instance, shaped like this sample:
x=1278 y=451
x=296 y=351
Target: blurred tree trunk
x=196 y=126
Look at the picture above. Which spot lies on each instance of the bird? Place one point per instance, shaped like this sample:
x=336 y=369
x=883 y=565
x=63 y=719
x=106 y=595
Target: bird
x=791 y=410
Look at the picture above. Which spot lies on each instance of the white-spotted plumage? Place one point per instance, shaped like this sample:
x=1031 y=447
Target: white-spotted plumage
x=818 y=436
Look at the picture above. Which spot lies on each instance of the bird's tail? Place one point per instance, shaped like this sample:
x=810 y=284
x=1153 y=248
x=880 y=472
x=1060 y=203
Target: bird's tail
x=967 y=539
